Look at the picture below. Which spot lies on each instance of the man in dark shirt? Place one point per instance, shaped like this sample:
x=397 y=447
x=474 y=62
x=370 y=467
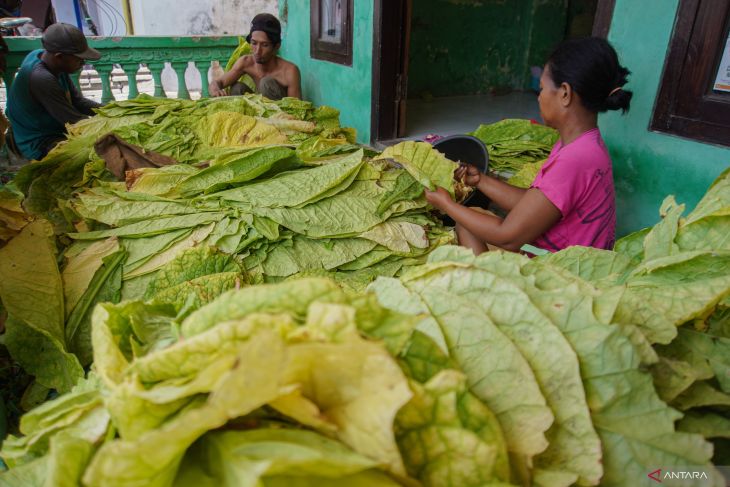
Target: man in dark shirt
x=43 y=98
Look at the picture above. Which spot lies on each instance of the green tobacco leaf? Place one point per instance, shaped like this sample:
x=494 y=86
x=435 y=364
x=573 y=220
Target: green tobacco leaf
x=235 y=167
x=156 y=261
x=245 y=458
x=78 y=414
x=636 y=428
x=42 y=355
x=573 y=443
x=715 y=201
x=154 y=457
x=80 y=270
x=199 y=291
x=105 y=286
x=706 y=353
x=705 y=423
x=448 y=437
x=667 y=292
x=297 y=188
x=427 y=165
x=594 y=265
x=398 y=236
x=152 y=227
x=196 y=262
x=67 y=461
x=351 y=212
x=659 y=242
x=707 y=227
x=30 y=283
x=701 y=394
x=632 y=245
x=466 y=332
x=406 y=188
x=32 y=474
x=292 y=297
x=159 y=181
x=305 y=254
x=516 y=129
x=120 y=209
x=672 y=377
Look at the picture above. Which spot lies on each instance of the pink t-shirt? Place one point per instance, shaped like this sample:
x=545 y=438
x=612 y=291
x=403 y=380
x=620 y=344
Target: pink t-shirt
x=578 y=180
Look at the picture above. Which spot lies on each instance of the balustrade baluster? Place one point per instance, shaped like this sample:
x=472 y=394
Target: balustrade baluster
x=156 y=71
x=130 y=69
x=204 y=79
x=105 y=72
x=182 y=89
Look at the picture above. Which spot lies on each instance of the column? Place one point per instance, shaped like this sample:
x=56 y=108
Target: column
x=105 y=71
x=156 y=68
x=130 y=69
x=182 y=89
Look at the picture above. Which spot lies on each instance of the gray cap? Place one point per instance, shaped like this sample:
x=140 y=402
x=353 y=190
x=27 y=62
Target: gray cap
x=67 y=39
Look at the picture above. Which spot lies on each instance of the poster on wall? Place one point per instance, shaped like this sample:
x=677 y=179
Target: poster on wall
x=722 y=81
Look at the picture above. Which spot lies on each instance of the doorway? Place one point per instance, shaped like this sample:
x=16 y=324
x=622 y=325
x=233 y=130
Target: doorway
x=444 y=67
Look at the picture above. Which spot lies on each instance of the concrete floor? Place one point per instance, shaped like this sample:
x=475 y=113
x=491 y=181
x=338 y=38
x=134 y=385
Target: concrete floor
x=462 y=114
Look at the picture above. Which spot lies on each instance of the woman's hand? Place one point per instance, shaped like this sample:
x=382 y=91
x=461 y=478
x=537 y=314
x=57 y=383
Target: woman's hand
x=468 y=174
x=439 y=199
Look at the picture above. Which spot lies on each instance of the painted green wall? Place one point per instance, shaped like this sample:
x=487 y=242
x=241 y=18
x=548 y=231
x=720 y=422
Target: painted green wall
x=348 y=88
x=462 y=47
x=649 y=165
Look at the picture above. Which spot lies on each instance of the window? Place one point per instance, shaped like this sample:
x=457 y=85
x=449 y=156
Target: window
x=694 y=96
x=331 y=35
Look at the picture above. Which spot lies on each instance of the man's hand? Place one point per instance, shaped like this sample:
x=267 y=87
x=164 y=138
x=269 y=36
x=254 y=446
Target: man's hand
x=468 y=174
x=439 y=199
x=214 y=89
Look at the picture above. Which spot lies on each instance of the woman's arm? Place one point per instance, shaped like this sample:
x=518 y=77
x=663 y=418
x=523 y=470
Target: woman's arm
x=532 y=216
x=502 y=194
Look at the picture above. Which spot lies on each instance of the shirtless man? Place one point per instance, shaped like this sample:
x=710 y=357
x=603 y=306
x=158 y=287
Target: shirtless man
x=275 y=77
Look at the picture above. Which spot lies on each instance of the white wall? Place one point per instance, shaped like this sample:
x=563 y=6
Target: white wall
x=107 y=14
x=197 y=17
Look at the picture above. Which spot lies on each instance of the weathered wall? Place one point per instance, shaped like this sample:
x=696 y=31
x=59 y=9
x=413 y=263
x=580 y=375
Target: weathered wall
x=461 y=47
x=649 y=165
x=197 y=17
x=348 y=88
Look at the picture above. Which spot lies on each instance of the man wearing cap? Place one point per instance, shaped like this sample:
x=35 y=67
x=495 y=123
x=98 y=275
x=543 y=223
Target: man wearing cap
x=274 y=77
x=43 y=98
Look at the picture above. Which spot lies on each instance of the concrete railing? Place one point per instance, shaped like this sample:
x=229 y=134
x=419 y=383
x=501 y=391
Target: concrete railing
x=136 y=52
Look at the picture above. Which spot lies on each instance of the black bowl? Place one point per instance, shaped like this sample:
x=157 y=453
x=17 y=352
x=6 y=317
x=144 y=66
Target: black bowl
x=470 y=150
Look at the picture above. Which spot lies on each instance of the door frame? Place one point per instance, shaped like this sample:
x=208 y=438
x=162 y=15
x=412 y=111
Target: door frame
x=391 y=42
x=391 y=45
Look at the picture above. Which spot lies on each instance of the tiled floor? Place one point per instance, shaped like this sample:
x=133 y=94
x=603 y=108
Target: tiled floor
x=462 y=114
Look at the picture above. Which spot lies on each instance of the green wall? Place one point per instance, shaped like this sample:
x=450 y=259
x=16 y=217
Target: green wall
x=462 y=47
x=348 y=88
x=649 y=165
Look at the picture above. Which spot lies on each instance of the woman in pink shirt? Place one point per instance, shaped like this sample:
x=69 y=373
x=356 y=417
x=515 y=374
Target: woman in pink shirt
x=571 y=201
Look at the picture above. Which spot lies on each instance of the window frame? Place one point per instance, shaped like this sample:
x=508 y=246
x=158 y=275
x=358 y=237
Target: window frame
x=686 y=104
x=336 y=52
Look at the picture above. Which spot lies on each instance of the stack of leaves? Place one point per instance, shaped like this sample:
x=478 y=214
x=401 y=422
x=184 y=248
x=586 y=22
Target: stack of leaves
x=297 y=383
x=12 y=216
x=185 y=130
x=512 y=143
x=491 y=370
x=273 y=212
x=676 y=282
